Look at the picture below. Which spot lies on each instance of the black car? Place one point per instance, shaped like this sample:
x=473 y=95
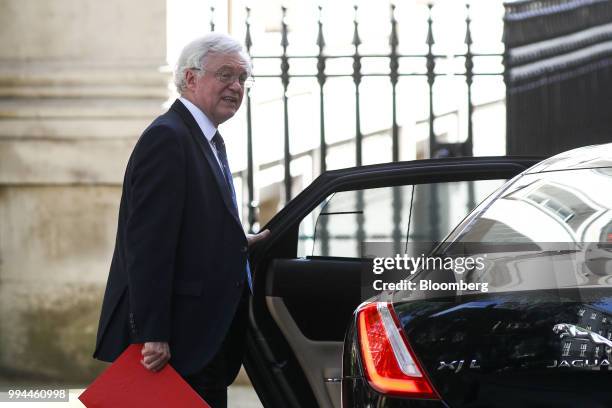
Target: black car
x=309 y=278
x=538 y=335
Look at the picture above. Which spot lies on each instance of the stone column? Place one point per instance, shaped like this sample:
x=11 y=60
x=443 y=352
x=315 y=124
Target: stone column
x=79 y=82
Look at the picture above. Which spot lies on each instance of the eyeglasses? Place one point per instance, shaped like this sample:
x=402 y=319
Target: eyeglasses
x=228 y=76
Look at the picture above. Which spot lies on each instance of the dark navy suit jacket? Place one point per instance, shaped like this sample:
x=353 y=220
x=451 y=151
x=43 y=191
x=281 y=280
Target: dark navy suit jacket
x=178 y=269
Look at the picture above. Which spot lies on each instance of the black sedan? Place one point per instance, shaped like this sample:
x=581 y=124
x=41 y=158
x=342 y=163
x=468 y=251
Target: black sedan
x=314 y=342
x=528 y=323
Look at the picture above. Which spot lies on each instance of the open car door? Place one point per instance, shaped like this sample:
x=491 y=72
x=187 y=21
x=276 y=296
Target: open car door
x=308 y=273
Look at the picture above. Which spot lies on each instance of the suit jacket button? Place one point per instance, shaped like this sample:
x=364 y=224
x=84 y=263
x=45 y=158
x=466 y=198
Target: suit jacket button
x=244 y=248
x=238 y=284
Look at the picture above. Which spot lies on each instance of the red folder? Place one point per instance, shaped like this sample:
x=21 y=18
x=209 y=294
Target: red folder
x=127 y=383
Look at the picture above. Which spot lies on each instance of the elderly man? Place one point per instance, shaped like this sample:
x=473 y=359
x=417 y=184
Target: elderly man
x=180 y=277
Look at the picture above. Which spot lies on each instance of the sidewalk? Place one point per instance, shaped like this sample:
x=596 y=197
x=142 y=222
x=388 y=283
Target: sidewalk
x=242 y=396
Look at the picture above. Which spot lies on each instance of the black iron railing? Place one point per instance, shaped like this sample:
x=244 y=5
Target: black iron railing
x=395 y=72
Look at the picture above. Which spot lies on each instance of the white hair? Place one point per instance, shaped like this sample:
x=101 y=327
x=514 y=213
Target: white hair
x=195 y=53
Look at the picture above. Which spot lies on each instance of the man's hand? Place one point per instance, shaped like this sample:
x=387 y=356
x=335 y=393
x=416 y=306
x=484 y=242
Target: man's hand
x=254 y=238
x=155 y=355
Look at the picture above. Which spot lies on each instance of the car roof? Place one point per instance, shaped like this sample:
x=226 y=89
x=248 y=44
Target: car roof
x=588 y=157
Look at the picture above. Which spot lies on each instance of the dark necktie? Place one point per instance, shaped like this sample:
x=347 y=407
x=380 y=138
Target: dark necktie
x=219 y=144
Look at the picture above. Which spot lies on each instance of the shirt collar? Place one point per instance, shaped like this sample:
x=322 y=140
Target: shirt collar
x=205 y=124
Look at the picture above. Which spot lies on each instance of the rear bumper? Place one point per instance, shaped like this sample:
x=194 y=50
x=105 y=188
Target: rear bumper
x=356 y=393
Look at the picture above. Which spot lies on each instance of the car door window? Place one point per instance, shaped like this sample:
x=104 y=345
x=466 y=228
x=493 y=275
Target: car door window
x=438 y=207
x=351 y=218
x=422 y=213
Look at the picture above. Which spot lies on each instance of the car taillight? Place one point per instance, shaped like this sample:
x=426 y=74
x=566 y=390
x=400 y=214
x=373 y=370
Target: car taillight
x=389 y=362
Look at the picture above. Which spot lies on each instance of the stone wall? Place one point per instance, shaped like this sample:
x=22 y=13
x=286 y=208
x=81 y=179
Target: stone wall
x=79 y=81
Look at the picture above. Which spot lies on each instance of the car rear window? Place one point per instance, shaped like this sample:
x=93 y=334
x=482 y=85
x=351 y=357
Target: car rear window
x=549 y=230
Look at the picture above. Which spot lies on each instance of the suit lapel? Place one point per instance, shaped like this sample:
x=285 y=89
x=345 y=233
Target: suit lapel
x=199 y=137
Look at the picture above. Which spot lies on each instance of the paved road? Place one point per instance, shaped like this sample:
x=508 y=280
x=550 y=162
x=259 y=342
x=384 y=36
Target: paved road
x=239 y=396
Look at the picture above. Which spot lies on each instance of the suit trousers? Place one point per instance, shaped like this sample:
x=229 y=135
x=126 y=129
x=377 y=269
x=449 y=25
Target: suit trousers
x=211 y=382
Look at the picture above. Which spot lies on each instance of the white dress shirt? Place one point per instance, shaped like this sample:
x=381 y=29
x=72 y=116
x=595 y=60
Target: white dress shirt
x=205 y=125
